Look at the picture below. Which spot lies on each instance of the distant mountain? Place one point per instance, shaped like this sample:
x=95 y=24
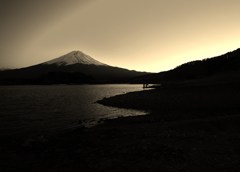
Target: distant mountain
x=72 y=68
x=75 y=57
x=226 y=66
x=1 y=69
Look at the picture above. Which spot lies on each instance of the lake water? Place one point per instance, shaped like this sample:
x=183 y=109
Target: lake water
x=46 y=109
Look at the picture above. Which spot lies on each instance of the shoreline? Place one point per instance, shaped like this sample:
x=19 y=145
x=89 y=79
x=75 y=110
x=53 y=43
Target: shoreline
x=191 y=136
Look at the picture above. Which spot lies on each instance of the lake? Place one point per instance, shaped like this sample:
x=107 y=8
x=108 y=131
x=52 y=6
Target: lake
x=54 y=108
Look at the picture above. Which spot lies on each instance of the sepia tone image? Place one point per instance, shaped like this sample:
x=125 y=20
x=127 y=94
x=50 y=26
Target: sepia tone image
x=119 y=86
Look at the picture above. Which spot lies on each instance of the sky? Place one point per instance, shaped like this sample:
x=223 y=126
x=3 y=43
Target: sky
x=143 y=35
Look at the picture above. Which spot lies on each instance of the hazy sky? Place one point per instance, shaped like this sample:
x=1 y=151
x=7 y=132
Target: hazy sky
x=144 y=35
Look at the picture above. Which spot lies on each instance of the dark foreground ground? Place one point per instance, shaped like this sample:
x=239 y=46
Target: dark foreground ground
x=189 y=128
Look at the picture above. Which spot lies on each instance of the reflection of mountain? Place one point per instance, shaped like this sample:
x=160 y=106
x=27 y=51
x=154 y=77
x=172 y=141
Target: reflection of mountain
x=225 y=67
x=72 y=68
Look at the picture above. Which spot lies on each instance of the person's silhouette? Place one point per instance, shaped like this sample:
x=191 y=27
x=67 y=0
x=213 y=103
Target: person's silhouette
x=145 y=85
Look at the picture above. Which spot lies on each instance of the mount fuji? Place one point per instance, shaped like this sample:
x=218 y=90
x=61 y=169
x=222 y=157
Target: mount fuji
x=75 y=57
x=72 y=68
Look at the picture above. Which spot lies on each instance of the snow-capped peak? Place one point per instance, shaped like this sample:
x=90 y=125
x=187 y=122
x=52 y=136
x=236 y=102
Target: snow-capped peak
x=75 y=57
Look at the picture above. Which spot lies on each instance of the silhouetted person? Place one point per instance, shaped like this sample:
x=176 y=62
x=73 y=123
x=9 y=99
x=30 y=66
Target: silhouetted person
x=145 y=85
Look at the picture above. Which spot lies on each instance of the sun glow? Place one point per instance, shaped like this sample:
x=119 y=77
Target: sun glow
x=139 y=35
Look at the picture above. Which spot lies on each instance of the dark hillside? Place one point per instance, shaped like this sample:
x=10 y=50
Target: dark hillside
x=225 y=64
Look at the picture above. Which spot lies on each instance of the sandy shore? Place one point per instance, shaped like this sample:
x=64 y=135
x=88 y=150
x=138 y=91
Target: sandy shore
x=188 y=129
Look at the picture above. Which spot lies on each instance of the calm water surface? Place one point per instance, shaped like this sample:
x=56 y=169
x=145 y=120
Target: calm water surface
x=39 y=109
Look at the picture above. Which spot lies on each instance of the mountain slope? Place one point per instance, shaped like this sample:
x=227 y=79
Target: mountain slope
x=72 y=68
x=75 y=57
x=223 y=66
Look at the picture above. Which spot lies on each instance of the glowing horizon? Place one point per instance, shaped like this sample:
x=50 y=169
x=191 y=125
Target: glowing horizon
x=140 y=35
